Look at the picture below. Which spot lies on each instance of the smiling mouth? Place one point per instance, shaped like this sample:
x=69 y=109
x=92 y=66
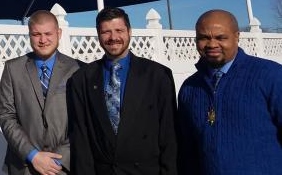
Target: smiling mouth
x=113 y=44
x=213 y=52
x=43 y=46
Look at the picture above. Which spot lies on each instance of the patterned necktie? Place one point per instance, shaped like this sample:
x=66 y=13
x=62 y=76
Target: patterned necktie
x=112 y=96
x=216 y=78
x=44 y=79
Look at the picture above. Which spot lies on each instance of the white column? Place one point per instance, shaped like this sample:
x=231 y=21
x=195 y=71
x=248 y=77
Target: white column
x=60 y=13
x=253 y=21
x=100 y=5
x=250 y=11
x=153 y=19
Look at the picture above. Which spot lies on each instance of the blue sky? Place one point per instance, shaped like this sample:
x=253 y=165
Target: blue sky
x=184 y=13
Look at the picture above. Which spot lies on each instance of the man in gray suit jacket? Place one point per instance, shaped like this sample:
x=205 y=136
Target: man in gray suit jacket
x=33 y=112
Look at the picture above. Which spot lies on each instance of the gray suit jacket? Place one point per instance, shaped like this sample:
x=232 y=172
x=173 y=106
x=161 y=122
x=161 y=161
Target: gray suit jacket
x=26 y=120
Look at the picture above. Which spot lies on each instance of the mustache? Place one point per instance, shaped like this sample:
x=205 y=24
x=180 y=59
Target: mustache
x=42 y=45
x=111 y=41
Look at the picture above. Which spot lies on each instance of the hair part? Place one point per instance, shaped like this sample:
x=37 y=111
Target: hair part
x=109 y=13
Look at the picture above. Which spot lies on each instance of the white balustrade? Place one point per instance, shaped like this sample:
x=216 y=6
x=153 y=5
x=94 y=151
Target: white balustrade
x=173 y=48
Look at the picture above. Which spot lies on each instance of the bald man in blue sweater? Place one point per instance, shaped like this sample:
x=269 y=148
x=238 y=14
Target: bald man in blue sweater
x=230 y=110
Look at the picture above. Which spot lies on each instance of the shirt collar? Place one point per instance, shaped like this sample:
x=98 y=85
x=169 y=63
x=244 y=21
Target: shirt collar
x=124 y=62
x=223 y=69
x=49 y=62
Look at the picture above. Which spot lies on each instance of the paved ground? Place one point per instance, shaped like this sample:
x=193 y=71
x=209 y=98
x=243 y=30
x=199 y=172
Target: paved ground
x=3 y=144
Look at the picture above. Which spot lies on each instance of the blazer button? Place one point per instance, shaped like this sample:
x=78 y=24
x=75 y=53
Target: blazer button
x=115 y=165
x=136 y=164
x=45 y=148
x=144 y=136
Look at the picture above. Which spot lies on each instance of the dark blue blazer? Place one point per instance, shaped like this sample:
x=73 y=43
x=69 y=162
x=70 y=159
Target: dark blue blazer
x=145 y=143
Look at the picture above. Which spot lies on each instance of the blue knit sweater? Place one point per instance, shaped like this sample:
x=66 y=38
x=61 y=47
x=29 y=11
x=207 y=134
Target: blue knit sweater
x=246 y=136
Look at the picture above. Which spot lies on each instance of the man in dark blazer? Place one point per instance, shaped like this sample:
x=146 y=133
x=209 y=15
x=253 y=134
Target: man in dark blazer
x=144 y=140
x=34 y=124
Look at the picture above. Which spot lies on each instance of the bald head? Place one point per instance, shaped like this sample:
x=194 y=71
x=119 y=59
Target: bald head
x=217 y=37
x=218 y=15
x=41 y=17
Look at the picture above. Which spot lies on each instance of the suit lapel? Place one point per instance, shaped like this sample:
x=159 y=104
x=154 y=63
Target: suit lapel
x=134 y=90
x=33 y=75
x=95 y=82
x=134 y=93
x=59 y=71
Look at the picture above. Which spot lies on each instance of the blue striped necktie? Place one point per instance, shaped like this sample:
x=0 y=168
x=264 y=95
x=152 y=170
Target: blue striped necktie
x=112 y=96
x=44 y=79
x=216 y=78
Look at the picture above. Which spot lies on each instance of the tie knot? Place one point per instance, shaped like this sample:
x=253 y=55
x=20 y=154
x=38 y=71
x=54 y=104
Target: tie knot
x=44 y=68
x=218 y=74
x=116 y=66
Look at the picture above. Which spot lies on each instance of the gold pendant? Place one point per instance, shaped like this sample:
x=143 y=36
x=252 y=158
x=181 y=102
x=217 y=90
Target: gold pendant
x=211 y=116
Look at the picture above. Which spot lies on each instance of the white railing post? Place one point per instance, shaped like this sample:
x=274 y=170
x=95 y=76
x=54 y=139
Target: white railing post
x=64 y=45
x=153 y=22
x=256 y=30
x=153 y=19
x=255 y=25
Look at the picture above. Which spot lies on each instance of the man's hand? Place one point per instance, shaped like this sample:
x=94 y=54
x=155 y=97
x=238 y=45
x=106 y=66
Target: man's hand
x=44 y=163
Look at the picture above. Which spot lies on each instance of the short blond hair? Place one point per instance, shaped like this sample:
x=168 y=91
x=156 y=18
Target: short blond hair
x=41 y=16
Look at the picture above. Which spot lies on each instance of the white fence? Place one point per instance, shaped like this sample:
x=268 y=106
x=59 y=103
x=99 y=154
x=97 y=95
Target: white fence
x=173 y=48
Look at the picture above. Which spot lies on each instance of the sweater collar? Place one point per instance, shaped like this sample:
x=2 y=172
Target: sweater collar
x=203 y=68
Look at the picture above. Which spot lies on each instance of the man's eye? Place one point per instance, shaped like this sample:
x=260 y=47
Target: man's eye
x=202 y=38
x=221 y=38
